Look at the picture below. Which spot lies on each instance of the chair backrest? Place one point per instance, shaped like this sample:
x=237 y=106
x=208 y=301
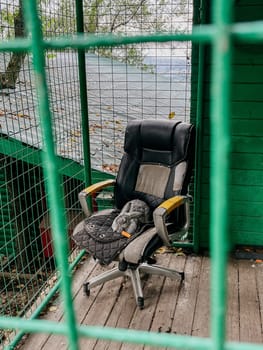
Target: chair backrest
x=157 y=161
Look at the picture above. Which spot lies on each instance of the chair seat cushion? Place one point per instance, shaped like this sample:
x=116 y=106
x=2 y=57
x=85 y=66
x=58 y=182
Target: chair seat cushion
x=96 y=236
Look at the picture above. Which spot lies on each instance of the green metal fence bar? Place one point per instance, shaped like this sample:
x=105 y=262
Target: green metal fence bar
x=121 y=335
x=83 y=41
x=89 y=41
x=248 y=31
x=16 y=45
x=242 y=31
x=55 y=196
x=219 y=175
x=198 y=124
x=83 y=97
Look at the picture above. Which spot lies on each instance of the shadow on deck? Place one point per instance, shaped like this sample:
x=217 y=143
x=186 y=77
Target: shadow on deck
x=170 y=306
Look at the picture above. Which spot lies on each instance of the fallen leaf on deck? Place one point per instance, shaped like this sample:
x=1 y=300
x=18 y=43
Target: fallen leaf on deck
x=248 y=250
x=52 y=308
x=110 y=167
x=171 y=115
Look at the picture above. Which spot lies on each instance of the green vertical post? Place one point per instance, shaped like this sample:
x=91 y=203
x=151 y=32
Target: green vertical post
x=219 y=178
x=83 y=96
x=55 y=195
x=199 y=13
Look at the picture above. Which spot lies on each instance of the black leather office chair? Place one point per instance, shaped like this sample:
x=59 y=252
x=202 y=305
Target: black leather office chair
x=155 y=168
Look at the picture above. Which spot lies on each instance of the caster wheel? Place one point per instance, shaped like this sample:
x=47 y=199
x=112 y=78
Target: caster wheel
x=86 y=289
x=140 y=303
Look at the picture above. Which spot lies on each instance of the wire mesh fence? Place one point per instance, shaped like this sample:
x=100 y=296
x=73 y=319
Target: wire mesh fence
x=138 y=81
x=148 y=80
x=28 y=268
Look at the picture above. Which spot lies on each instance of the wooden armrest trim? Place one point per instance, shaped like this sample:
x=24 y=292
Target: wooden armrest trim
x=98 y=186
x=172 y=203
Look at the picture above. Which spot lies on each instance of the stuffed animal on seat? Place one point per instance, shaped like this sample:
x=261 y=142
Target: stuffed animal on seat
x=133 y=215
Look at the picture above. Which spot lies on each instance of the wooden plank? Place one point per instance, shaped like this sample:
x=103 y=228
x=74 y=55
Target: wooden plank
x=242 y=127
x=239 y=208
x=242 y=73
x=164 y=314
x=247 y=161
x=243 y=91
x=37 y=341
x=201 y=323
x=251 y=237
x=238 y=160
x=126 y=313
x=239 y=177
x=250 y=322
x=249 y=144
x=239 y=110
x=241 y=223
x=120 y=316
x=104 y=306
x=244 y=3
x=244 y=13
x=259 y=283
x=252 y=209
x=247 y=92
x=238 y=192
x=241 y=144
x=232 y=316
x=247 y=223
x=238 y=237
x=186 y=304
x=82 y=305
x=244 y=177
x=142 y=319
x=168 y=308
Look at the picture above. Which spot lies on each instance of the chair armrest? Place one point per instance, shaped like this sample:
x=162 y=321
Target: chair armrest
x=165 y=208
x=91 y=190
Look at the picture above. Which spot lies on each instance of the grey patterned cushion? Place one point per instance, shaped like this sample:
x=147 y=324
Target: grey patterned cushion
x=96 y=236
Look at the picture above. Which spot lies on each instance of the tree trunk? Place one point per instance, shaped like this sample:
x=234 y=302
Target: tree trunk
x=9 y=78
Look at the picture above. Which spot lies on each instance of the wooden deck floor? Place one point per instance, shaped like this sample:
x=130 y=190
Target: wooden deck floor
x=169 y=306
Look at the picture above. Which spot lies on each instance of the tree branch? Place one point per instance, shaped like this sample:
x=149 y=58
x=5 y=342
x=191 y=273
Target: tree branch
x=123 y=23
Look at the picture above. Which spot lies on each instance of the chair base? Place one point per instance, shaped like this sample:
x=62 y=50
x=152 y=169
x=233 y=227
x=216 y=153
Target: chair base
x=133 y=272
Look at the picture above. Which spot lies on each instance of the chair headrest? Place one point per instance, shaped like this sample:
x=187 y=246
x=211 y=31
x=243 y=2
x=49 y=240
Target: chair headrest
x=158 y=135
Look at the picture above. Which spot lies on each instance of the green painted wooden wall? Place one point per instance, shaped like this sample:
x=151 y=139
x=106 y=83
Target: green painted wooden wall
x=246 y=170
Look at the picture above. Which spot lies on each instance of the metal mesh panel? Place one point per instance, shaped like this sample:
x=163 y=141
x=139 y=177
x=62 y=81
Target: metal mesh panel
x=137 y=81
x=27 y=261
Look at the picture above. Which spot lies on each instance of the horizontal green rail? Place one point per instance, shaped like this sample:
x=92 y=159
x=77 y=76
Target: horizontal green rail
x=124 y=335
x=245 y=31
